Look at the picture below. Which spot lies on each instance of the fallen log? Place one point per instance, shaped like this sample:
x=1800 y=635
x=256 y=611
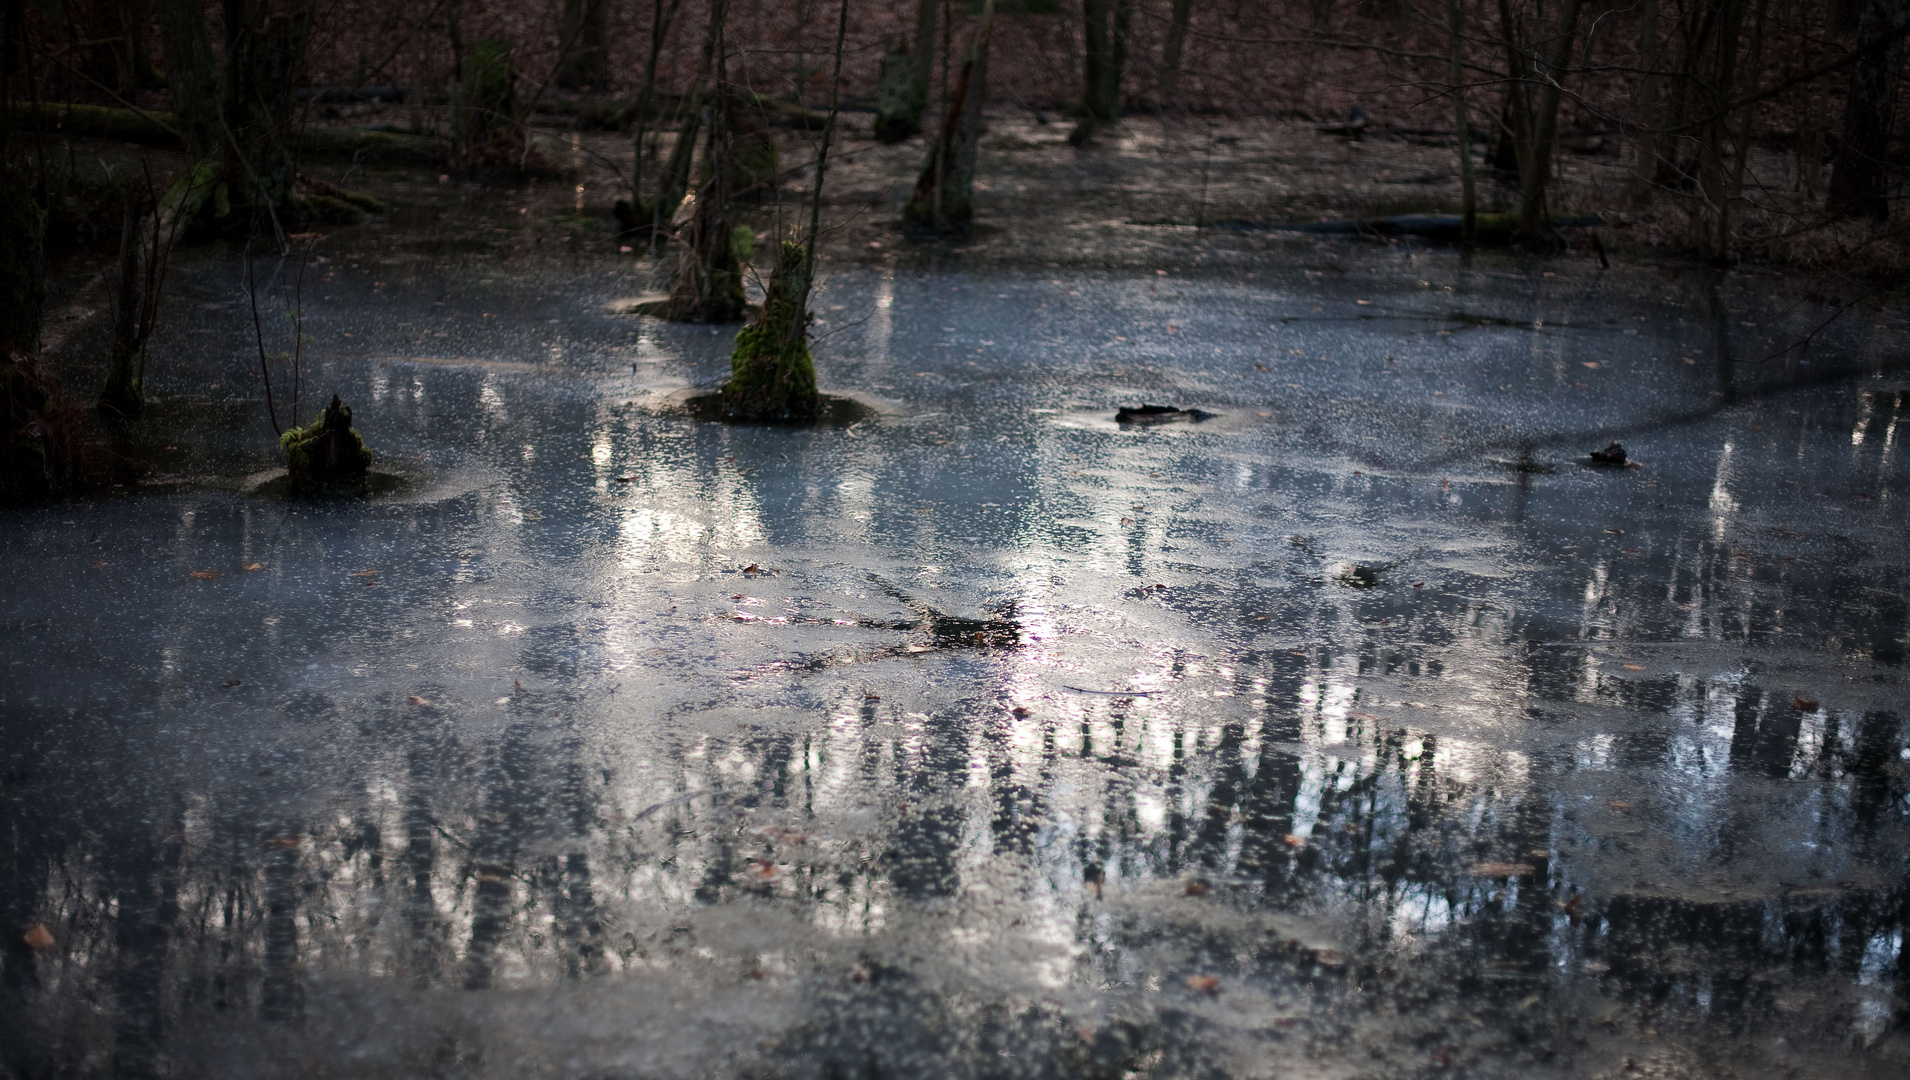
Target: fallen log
x=156 y=129
x=1492 y=228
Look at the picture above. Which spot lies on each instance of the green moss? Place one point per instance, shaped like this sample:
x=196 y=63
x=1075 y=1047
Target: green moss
x=772 y=375
x=326 y=457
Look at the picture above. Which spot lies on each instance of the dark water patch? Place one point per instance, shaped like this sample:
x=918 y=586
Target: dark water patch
x=837 y=411
x=375 y=484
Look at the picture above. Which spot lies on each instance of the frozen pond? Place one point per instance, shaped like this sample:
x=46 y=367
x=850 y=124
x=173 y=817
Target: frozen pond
x=1360 y=730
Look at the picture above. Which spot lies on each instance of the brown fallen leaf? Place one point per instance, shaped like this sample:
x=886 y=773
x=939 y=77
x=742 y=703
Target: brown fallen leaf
x=1618 y=804
x=207 y=575
x=878 y=697
x=1634 y=667
x=363 y=573
x=1294 y=842
x=1198 y=887
x=234 y=682
x=762 y=871
x=416 y=700
x=1204 y=984
x=285 y=843
x=101 y=562
x=1803 y=704
x=38 y=937
x=253 y=566
x=1020 y=712
x=1500 y=869
x=1616 y=532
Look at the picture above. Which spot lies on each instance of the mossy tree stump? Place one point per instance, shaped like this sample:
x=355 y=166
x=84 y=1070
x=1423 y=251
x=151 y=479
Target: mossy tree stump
x=327 y=457
x=772 y=375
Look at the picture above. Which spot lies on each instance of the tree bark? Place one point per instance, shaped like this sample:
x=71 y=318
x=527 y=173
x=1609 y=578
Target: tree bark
x=1859 y=177
x=709 y=280
x=1719 y=87
x=1462 y=125
x=944 y=195
x=1648 y=148
x=265 y=56
x=22 y=262
x=122 y=394
x=922 y=51
x=1177 y=21
x=1536 y=117
x=192 y=75
x=586 y=33
x=661 y=19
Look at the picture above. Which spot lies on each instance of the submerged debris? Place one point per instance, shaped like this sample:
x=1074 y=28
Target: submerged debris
x=1160 y=414
x=1611 y=455
x=328 y=457
x=1524 y=464
x=1358 y=576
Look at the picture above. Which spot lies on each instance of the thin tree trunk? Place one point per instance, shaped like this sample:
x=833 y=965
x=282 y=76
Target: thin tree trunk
x=586 y=25
x=1713 y=192
x=1535 y=169
x=1094 y=55
x=1742 y=141
x=944 y=195
x=922 y=50
x=1648 y=147
x=1859 y=177
x=709 y=281
x=22 y=262
x=193 y=77
x=1462 y=125
x=122 y=394
x=1177 y=23
x=661 y=19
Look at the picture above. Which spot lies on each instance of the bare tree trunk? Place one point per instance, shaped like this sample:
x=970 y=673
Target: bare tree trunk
x=265 y=55
x=193 y=77
x=944 y=195
x=586 y=29
x=1859 y=177
x=1809 y=166
x=922 y=54
x=661 y=18
x=1742 y=150
x=1714 y=196
x=1171 y=49
x=1104 y=56
x=1647 y=147
x=1462 y=124
x=709 y=280
x=1094 y=55
x=122 y=394
x=1536 y=116
x=22 y=262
